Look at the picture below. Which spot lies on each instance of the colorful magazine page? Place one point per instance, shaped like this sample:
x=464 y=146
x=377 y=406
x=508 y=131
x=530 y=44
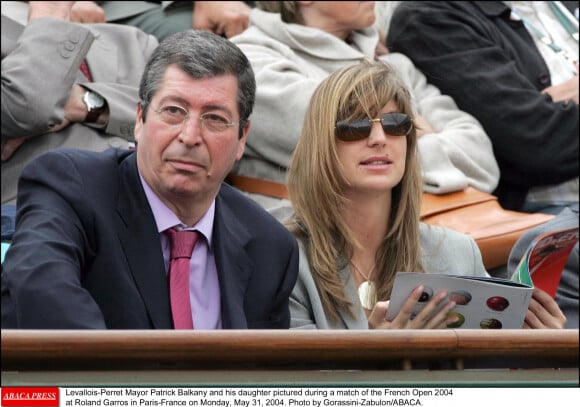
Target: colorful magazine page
x=543 y=262
x=481 y=302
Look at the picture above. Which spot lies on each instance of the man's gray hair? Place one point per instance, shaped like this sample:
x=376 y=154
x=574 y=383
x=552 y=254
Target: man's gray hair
x=200 y=54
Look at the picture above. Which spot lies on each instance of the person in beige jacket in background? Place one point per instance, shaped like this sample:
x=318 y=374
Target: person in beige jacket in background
x=293 y=46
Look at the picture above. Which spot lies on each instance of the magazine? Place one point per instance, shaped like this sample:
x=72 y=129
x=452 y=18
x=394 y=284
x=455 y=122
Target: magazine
x=490 y=302
x=543 y=262
x=481 y=302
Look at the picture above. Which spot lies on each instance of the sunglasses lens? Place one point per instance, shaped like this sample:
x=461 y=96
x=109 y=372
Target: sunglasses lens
x=396 y=124
x=353 y=131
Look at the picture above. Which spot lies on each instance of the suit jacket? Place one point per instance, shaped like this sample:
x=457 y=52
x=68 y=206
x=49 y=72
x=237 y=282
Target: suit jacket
x=444 y=251
x=567 y=295
x=489 y=64
x=40 y=63
x=87 y=254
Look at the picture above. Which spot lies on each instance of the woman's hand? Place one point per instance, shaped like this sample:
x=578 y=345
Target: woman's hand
x=427 y=318
x=543 y=312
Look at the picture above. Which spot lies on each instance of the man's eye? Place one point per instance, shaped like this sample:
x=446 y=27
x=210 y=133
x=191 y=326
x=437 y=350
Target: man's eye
x=174 y=111
x=214 y=118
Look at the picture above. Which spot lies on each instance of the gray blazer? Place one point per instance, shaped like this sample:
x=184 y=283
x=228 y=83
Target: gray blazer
x=40 y=63
x=444 y=251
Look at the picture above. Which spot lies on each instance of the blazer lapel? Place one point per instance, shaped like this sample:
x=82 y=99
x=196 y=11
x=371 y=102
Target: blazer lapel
x=140 y=241
x=11 y=31
x=98 y=53
x=351 y=293
x=234 y=267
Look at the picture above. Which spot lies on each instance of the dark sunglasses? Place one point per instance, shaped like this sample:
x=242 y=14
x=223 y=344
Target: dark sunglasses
x=394 y=124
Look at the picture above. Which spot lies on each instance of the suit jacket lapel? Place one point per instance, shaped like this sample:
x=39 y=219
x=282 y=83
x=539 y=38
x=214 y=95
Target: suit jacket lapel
x=98 y=53
x=140 y=241
x=11 y=31
x=234 y=267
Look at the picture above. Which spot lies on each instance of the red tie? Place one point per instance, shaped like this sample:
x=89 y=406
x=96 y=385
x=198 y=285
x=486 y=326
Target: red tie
x=182 y=244
x=85 y=70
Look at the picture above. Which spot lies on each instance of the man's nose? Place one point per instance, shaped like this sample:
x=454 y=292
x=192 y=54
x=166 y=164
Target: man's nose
x=191 y=132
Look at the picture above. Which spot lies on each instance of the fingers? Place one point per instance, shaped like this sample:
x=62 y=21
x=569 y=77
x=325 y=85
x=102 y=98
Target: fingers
x=228 y=25
x=543 y=312
x=404 y=316
x=201 y=21
x=222 y=18
x=526 y=326
x=10 y=146
x=237 y=19
x=87 y=12
x=564 y=92
x=442 y=319
x=50 y=9
x=429 y=317
x=235 y=27
x=546 y=301
x=531 y=320
x=376 y=317
x=434 y=315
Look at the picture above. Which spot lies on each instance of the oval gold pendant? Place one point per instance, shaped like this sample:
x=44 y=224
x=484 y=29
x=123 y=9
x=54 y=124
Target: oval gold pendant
x=366 y=294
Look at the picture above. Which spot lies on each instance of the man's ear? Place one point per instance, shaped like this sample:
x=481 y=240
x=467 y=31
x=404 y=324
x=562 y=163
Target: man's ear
x=138 y=123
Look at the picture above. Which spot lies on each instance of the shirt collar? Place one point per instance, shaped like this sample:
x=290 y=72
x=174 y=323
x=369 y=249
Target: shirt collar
x=165 y=218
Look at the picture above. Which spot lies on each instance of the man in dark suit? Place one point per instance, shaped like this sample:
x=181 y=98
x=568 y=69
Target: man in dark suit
x=90 y=249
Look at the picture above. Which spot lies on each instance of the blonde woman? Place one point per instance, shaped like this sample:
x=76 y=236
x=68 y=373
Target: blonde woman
x=355 y=185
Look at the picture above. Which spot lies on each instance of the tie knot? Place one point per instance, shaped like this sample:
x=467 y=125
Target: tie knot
x=181 y=242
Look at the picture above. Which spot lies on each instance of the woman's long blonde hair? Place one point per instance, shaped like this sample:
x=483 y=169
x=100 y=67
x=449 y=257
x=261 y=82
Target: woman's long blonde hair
x=315 y=182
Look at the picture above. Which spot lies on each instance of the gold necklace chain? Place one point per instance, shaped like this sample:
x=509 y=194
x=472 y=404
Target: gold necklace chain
x=366 y=291
x=355 y=267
